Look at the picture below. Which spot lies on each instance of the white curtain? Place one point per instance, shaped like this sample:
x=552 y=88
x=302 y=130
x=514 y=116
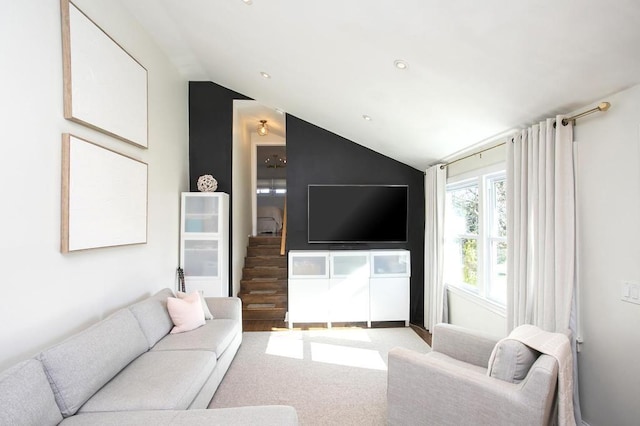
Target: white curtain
x=541 y=222
x=434 y=291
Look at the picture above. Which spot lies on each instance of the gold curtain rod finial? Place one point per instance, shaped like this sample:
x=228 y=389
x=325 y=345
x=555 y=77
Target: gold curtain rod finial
x=604 y=106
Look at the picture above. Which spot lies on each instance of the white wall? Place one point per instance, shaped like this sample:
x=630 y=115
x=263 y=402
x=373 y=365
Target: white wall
x=466 y=310
x=608 y=163
x=241 y=203
x=479 y=161
x=47 y=296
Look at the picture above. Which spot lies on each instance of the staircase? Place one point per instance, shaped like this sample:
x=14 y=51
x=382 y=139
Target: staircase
x=263 y=288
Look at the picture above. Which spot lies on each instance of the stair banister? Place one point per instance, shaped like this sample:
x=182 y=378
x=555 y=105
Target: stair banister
x=283 y=237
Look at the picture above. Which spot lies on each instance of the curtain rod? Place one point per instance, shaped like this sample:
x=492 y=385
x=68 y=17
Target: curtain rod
x=603 y=106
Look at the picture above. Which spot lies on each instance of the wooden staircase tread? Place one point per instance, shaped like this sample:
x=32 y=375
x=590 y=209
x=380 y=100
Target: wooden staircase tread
x=269 y=292
x=267 y=306
x=265 y=267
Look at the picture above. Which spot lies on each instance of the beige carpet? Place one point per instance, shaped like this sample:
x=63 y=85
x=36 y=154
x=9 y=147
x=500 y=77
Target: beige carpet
x=331 y=376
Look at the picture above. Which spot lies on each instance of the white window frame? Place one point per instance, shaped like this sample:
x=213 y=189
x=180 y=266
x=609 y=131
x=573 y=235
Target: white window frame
x=483 y=177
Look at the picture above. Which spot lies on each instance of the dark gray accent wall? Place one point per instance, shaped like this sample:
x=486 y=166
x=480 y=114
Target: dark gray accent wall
x=210 y=139
x=316 y=156
x=210 y=131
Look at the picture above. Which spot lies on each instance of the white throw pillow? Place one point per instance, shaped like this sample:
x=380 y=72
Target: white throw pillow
x=205 y=308
x=186 y=313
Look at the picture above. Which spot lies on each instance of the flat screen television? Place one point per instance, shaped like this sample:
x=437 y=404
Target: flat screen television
x=345 y=214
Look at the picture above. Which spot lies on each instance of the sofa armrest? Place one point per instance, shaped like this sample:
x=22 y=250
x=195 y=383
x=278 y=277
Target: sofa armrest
x=225 y=307
x=433 y=389
x=463 y=344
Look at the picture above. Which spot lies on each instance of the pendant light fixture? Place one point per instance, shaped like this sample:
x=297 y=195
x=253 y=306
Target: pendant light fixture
x=263 y=129
x=275 y=162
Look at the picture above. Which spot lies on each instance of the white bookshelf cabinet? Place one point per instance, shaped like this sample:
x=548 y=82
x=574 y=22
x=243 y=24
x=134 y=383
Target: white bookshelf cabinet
x=348 y=286
x=204 y=242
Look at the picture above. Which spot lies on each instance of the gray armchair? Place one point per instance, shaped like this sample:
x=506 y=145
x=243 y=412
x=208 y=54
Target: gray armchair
x=450 y=385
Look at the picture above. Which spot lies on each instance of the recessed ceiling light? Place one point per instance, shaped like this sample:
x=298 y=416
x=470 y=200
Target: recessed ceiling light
x=248 y=2
x=366 y=117
x=264 y=74
x=400 y=64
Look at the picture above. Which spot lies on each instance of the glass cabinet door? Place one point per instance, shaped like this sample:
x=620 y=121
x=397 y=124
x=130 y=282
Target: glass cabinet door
x=350 y=264
x=390 y=264
x=201 y=258
x=201 y=214
x=308 y=264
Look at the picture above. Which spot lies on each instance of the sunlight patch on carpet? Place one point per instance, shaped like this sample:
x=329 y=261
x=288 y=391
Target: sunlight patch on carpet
x=353 y=334
x=344 y=355
x=289 y=345
x=330 y=346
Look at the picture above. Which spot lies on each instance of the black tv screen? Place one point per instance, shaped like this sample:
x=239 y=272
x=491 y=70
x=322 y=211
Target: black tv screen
x=357 y=213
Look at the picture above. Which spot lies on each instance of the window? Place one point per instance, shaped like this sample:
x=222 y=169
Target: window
x=476 y=236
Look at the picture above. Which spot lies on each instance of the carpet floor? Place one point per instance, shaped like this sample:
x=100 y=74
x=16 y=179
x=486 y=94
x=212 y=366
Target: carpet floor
x=332 y=376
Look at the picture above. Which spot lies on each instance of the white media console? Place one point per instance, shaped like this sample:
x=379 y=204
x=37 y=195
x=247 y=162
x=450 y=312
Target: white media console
x=349 y=286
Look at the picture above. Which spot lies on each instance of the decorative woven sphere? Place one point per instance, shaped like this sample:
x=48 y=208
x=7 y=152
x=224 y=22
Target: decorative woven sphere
x=207 y=183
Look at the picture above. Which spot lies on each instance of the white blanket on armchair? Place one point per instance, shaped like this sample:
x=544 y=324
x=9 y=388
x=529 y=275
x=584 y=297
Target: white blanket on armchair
x=556 y=345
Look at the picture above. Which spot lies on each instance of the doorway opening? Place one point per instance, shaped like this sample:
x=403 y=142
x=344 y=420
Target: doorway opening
x=270 y=190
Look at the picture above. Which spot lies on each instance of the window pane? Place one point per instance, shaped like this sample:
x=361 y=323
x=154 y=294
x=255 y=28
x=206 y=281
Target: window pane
x=461 y=259
x=462 y=210
x=498 y=268
x=499 y=190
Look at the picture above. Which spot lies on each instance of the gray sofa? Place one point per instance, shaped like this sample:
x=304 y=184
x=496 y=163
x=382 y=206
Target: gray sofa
x=128 y=370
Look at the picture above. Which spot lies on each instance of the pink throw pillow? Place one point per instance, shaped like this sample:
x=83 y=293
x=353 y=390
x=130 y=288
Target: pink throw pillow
x=205 y=307
x=186 y=313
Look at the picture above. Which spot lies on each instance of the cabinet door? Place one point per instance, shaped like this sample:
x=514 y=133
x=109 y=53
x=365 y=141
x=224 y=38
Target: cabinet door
x=389 y=299
x=349 y=299
x=350 y=264
x=201 y=214
x=206 y=286
x=308 y=264
x=308 y=300
x=201 y=258
x=390 y=263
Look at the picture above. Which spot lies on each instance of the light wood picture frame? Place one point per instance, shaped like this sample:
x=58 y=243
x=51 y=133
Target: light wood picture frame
x=105 y=88
x=104 y=197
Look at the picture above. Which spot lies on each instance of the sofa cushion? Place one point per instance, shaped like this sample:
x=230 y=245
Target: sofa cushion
x=512 y=361
x=161 y=380
x=186 y=313
x=82 y=364
x=26 y=397
x=153 y=316
x=265 y=415
x=215 y=336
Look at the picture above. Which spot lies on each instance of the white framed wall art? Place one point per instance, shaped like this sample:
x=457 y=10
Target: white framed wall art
x=104 y=197
x=105 y=88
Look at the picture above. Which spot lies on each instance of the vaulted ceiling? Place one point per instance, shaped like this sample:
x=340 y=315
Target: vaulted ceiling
x=476 y=69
